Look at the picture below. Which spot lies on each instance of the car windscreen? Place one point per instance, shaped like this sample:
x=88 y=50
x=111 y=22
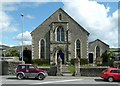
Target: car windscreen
x=21 y=67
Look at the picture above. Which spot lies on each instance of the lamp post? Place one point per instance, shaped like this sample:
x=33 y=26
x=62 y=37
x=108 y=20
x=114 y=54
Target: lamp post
x=22 y=35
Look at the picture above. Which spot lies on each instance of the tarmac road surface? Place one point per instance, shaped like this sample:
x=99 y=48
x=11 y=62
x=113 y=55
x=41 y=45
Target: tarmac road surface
x=57 y=81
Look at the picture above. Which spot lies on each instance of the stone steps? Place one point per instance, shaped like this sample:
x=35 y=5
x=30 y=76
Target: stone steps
x=65 y=70
x=67 y=74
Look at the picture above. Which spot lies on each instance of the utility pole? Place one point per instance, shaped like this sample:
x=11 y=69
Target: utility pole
x=22 y=35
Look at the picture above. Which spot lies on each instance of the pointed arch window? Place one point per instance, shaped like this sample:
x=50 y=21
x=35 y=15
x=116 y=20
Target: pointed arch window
x=42 y=50
x=60 y=16
x=60 y=34
x=97 y=51
x=78 y=51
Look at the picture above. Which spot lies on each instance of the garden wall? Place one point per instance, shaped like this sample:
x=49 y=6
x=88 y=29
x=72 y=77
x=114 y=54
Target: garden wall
x=85 y=71
x=92 y=71
x=8 y=68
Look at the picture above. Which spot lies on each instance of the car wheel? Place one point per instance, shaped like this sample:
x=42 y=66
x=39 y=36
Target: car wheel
x=110 y=79
x=20 y=76
x=41 y=77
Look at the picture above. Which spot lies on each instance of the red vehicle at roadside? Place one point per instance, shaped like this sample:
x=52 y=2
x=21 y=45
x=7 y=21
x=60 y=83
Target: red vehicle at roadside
x=30 y=71
x=111 y=74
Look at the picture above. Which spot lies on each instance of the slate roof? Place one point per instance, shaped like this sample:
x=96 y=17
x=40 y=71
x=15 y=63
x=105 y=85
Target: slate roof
x=99 y=41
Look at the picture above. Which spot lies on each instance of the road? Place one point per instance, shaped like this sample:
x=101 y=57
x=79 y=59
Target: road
x=57 y=81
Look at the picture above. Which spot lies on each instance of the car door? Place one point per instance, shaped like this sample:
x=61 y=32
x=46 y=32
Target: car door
x=32 y=72
x=119 y=74
x=114 y=74
x=27 y=71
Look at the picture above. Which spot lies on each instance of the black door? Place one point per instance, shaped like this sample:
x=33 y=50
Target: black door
x=61 y=54
x=90 y=57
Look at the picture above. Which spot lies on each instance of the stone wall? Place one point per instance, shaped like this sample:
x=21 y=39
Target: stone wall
x=52 y=71
x=92 y=72
x=8 y=68
x=85 y=71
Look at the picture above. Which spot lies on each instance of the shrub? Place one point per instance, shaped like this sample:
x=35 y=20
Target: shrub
x=41 y=62
x=72 y=69
x=83 y=61
x=110 y=63
x=36 y=62
x=72 y=61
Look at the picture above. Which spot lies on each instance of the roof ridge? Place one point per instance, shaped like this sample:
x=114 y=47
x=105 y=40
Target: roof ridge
x=67 y=15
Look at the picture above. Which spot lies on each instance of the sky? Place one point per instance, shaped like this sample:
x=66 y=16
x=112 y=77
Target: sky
x=100 y=19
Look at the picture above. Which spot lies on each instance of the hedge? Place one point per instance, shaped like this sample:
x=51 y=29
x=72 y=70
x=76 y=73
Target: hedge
x=41 y=62
x=83 y=61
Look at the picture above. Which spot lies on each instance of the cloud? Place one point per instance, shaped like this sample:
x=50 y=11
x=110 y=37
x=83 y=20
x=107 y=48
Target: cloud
x=90 y=14
x=28 y=16
x=95 y=19
x=7 y=23
x=12 y=6
x=1 y=43
x=26 y=38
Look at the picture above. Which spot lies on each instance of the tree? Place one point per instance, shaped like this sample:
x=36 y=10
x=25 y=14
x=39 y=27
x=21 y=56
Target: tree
x=107 y=58
x=111 y=54
x=12 y=53
x=27 y=55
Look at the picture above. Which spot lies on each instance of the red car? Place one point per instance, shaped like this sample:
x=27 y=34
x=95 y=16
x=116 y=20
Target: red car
x=111 y=74
x=29 y=70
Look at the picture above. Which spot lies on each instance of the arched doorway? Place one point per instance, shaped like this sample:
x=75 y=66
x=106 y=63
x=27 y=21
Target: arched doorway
x=61 y=54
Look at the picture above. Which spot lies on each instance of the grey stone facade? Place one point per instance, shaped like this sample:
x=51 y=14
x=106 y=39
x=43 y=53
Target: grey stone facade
x=47 y=32
x=102 y=48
